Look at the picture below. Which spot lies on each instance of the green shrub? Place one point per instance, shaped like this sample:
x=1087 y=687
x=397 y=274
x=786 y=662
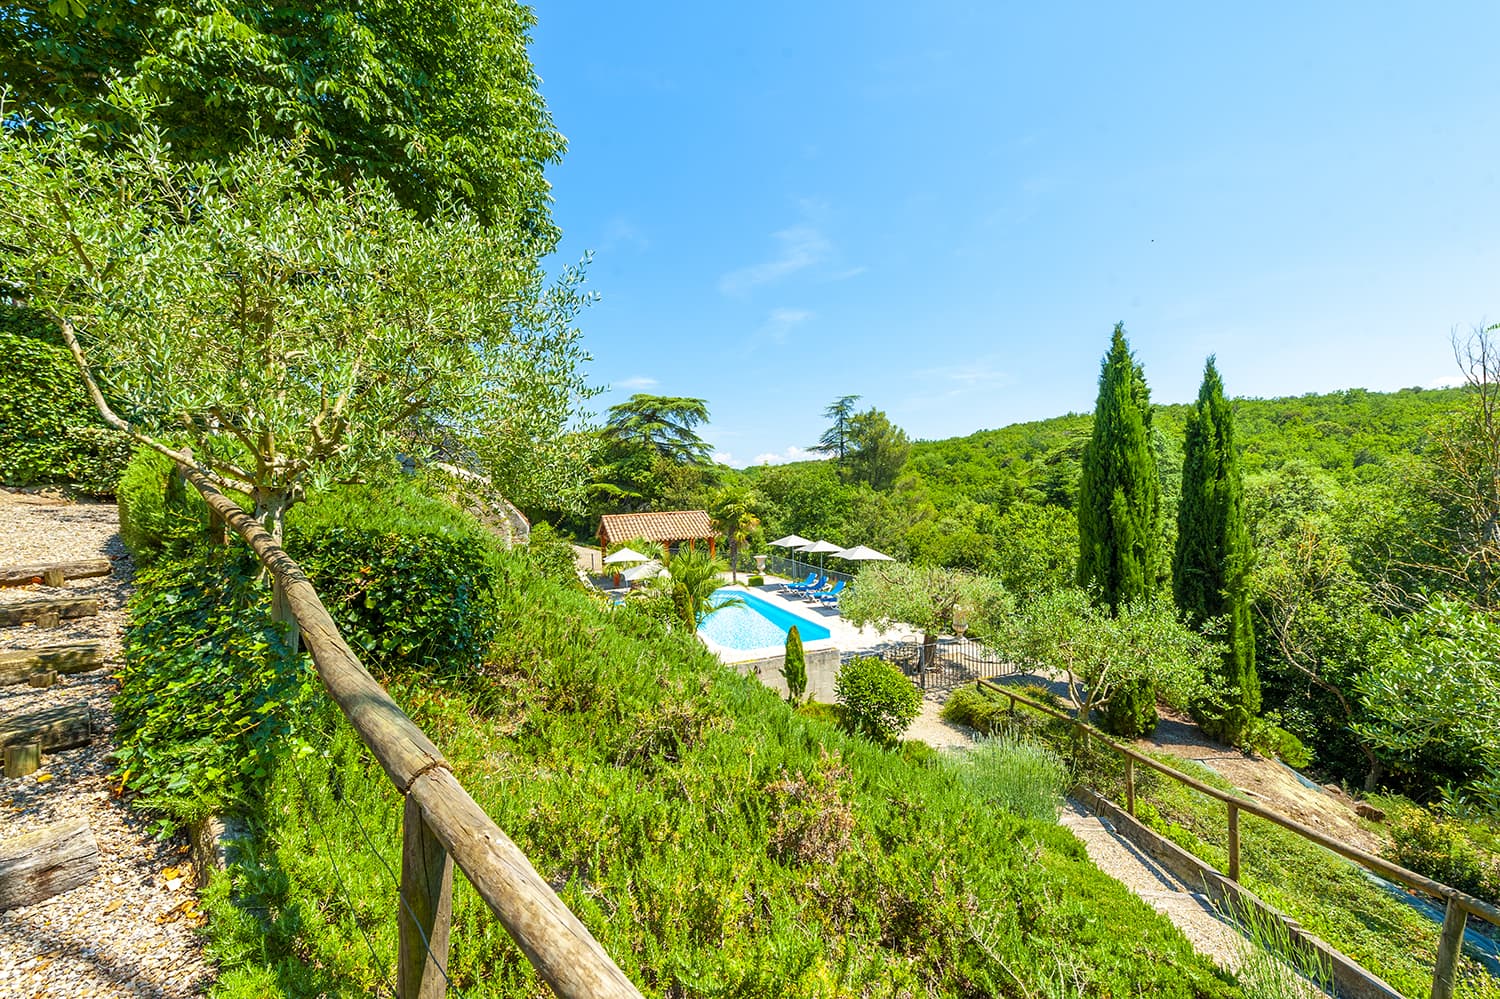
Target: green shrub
x=682 y=606
x=756 y=581
x=1223 y=722
x=206 y=685
x=550 y=554
x=976 y=709
x=160 y=514
x=409 y=579
x=50 y=432
x=1441 y=849
x=1266 y=737
x=833 y=714
x=1021 y=776
x=1131 y=711
x=920 y=753
x=878 y=700
x=794 y=669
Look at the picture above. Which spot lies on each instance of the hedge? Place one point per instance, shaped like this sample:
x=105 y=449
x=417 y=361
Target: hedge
x=409 y=579
x=50 y=433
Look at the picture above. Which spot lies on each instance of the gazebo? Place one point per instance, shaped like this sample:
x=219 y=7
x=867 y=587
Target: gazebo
x=663 y=528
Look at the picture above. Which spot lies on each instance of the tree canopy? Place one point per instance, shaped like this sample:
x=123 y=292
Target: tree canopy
x=286 y=327
x=1119 y=498
x=664 y=426
x=924 y=597
x=877 y=449
x=437 y=98
x=735 y=515
x=835 y=440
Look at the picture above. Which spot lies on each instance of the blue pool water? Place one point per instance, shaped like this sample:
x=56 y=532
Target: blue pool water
x=756 y=625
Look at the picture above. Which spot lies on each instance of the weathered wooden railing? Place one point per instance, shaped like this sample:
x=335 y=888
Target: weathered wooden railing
x=1458 y=905
x=442 y=823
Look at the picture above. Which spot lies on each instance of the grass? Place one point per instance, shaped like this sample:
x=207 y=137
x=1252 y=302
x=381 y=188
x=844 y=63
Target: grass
x=1325 y=893
x=1269 y=966
x=716 y=841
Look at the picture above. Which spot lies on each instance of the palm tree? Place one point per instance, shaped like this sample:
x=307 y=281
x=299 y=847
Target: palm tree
x=734 y=515
x=700 y=574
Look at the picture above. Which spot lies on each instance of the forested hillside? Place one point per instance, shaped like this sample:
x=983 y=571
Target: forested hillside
x=1340 y=433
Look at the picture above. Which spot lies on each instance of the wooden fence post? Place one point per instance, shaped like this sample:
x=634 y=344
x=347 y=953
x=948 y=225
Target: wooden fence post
x=424 y=911
x=1130 y=784
x=1450 y=945
x=1234 y=841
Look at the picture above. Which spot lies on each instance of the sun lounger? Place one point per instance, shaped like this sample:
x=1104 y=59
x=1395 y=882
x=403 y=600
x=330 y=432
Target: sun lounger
x=811 y=585
x=806 y=584
x=832 y=596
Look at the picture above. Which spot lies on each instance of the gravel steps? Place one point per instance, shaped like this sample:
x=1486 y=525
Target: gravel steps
x=133 y=931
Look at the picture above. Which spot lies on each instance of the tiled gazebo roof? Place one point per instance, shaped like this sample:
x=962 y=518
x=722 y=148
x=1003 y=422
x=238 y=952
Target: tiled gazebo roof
x=676 y=525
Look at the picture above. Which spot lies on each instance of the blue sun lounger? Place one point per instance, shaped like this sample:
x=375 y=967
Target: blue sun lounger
x=806 y=584
x=831 y=598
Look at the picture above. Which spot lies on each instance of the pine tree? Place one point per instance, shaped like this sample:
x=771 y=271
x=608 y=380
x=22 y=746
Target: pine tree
x=1119 y=509
x=1212 y=560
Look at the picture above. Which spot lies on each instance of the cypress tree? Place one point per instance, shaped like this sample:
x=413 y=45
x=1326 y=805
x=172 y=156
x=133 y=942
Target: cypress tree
x=794 y=669
x=1119 y=510
x=1212 y=560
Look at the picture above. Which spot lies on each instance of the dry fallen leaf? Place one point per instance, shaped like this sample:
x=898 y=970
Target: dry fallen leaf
x=111 y=907
x=43 y=778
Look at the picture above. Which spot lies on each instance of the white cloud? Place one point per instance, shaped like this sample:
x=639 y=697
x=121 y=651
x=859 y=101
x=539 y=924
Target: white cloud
x=945 y=385
x=799 y=247
x=780 y=322
x=638 y=382
x=622 y=234
x=792 y=453
x=1447 y=381
x=724 y=458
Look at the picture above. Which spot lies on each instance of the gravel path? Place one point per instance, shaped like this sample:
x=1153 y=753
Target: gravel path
x=929 y=726
x=132 y=931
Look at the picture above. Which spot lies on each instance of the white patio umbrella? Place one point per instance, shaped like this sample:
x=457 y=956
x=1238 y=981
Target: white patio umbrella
x=625 y=555
x=859 y=553
x=791 y=541
x=821 y=548
x=646 y=571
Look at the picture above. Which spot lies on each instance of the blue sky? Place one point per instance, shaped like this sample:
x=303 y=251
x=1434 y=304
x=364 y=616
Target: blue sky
x=945 y=207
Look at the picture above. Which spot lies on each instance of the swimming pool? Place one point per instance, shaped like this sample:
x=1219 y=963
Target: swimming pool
x=758 y=625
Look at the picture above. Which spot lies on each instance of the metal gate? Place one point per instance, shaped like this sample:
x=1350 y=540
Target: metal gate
x=952 y=662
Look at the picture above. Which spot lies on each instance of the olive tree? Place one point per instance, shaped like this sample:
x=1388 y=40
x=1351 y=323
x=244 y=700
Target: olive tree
x=929 y=599
x=276 y=329
x=1101 y=654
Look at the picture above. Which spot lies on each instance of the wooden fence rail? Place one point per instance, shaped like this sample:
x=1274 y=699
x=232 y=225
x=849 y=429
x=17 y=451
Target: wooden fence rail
x=1458 y=905
x=442 y=824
